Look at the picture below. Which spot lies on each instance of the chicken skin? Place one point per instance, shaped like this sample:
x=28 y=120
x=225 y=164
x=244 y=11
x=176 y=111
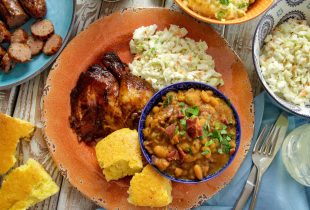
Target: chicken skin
x=107 y=97
x=134 y=92
x=94 y=96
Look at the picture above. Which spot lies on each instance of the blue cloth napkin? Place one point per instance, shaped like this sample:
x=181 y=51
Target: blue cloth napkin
x=279 y=191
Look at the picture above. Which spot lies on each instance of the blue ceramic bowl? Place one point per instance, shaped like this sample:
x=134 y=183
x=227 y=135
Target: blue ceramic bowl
x=158 y=98
x=277 y=14
x=61 y=13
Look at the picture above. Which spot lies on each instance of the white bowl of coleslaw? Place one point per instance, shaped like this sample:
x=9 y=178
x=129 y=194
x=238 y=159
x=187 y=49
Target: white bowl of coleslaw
x=281 y=53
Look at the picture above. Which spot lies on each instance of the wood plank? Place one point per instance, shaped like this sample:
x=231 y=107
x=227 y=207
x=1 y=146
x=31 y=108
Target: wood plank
x=172 y=5
x=73 y=199
x=108 y=8
x=7 y=100
x=240 y=39
x=28 y=107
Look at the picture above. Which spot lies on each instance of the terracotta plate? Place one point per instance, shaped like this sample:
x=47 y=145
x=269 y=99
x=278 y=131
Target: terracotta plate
x=78 y=161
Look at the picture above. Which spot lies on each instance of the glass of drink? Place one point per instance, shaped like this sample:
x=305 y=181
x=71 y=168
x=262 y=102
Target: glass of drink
x=296 y=154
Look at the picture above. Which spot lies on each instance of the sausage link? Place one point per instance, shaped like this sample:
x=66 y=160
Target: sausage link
x=35 y=8
x=12 y=12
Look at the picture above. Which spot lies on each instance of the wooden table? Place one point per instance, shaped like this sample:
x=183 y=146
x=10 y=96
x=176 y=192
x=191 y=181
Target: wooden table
x=24 y=101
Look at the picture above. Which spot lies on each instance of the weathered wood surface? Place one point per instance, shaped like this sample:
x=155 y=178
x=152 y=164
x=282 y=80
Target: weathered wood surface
x=25 y=101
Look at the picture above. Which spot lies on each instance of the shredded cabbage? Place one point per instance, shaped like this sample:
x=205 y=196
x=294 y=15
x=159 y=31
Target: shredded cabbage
x=285 y=61
x=166 y=57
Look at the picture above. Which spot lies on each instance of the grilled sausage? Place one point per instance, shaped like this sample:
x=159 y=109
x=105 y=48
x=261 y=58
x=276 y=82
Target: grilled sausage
x=19 y=52
x=5 y=35
x=42 y=29
x=6 y=63
x=52 y=45
x=35 y=8
x=12 y=12
x=19 y=36
x=36 y=45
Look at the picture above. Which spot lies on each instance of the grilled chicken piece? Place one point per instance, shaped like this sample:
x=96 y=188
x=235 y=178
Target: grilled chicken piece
x=107 y=99
x=95 y=111
x=134 y=92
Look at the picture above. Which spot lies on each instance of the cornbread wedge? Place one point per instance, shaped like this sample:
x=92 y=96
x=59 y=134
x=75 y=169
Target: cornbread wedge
x=119 y=154
x=25 y=186
x=11 y=131
x=149 y=188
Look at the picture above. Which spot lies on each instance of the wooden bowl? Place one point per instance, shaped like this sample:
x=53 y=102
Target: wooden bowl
x=257 y=8
x=77 y=161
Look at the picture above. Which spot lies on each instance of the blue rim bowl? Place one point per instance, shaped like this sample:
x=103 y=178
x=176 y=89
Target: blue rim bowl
x=158 y=98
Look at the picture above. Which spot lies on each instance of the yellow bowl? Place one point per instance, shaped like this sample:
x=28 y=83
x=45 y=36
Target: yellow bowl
x=256 y=9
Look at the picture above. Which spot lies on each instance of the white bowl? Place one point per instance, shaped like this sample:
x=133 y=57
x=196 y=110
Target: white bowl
x=277 y=14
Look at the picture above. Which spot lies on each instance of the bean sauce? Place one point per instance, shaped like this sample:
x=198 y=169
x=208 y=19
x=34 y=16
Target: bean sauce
x=190 y=134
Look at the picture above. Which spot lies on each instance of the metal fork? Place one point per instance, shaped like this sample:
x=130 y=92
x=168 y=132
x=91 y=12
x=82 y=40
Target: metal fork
x=262 y=156
x=250 y=183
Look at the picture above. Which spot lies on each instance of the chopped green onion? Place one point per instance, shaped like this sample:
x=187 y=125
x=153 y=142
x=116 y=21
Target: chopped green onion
x=223 y=131
x=206 y=152
x=209 y=143
x=243 y=5
x=182 y=133
x=183 y=123
x=189 y=112
x=220 y=151
x=181 y=104
x=224 y=2
x=176 y=131
x=220 y=15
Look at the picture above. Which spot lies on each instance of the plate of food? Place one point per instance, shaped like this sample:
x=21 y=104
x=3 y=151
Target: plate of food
x=92 y=108
x=32 y=34
x=224 y=11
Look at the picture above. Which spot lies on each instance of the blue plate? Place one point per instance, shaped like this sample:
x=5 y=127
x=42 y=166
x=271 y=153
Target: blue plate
x=61 y=13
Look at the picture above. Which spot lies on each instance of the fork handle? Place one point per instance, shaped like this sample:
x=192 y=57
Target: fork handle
x=247 y=190
x=258 y=181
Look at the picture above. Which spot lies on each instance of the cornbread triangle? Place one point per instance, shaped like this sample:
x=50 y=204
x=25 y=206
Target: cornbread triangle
x=149 y=188
x=119 y=154
x=25 y=186
x=11 y=131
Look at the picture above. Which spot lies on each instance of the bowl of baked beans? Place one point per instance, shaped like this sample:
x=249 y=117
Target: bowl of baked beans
x=189 y=132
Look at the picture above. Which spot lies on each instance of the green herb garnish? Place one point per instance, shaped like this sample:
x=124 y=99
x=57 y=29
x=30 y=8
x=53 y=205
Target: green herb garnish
x=204 y=132
x=182 y=133
x=224 y=2
x=181 y=104
x=209 y=143
x=189 y=112
x=223 y=132
x=206 y=152
x=167 y=101
x=176 y=131
x=220 y=15
x=243 y=5
x=183 y=123
x=220 y=151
